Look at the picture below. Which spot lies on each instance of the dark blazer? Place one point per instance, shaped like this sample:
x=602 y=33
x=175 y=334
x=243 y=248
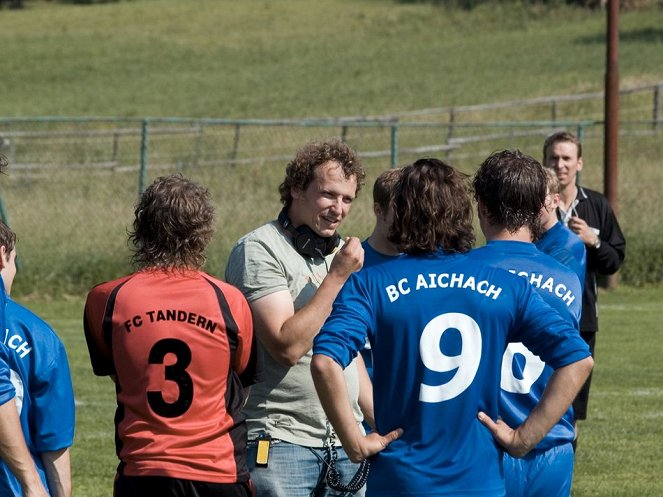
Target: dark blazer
x=595 y=209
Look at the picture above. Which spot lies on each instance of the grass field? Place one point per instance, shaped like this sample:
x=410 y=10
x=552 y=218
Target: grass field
x=261 y=59
x=298 y=58
x=620 y=446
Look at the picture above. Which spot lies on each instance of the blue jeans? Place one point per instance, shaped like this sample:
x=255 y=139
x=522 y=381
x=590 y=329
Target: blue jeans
x=297 y=471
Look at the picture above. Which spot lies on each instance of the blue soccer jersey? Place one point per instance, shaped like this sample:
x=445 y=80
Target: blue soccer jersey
x=565 y=246
x=44 y=392
x=524 y=375
x=7 y=391
x=438 y=326
x=371 y=258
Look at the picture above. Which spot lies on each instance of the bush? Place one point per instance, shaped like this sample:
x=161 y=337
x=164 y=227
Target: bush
x=592 y=4
x=72 y=274
x=87 y=2
x=12 y=4
x=644 y=260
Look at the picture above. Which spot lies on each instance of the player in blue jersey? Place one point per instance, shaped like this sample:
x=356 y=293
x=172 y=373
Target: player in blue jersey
x=557 y=240
x=40 y=374
x=377 y=247
x=439 y=326
x=13 y=450
x=510 y=189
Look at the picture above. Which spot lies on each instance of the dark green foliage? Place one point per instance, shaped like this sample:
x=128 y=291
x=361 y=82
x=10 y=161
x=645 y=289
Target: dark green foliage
x=591 y=4
x=87 y=2
x=644 y=260
x=12 y=4
x=71 y=273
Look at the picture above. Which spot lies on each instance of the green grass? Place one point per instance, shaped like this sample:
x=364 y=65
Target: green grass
x=296 y=58
x=292 y=58
x=620 y=447
x=93 y=453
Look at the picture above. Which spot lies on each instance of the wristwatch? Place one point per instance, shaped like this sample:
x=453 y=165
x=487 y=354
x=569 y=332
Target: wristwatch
x=597 y=243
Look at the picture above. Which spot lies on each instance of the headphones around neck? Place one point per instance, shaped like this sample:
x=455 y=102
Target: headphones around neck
x=306 y=241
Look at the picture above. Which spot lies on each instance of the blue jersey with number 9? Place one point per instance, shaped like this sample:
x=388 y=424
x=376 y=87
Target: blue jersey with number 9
x=438 y=326
x=524 y=375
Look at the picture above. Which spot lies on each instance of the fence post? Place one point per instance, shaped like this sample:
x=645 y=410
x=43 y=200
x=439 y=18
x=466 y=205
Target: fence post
x=233 y=154
x=554 y=111
x=657 y=107
x=452 y=120
x=116 y=146
x=3 y=212
x=144 y=136
x=394 y=145
x=198 y=146
x=581 y=132
x=12 y=148
x=344 y=133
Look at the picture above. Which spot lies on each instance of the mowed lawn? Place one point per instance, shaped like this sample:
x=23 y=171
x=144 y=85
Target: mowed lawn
x=260 y=59
x=620 y=447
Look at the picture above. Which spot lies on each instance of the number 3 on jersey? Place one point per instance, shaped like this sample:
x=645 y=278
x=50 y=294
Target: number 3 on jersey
x=466 y=363
x=174 y=372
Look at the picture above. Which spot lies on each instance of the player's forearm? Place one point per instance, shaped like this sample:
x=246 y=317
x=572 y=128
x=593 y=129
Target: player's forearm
x=333 y=393
x=365 y=399
x=15 y=453
x=299 y=330
x=562 y=388
x=58 y=472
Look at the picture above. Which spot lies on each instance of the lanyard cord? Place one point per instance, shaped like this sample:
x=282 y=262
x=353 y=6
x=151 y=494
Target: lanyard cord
x=333 y=477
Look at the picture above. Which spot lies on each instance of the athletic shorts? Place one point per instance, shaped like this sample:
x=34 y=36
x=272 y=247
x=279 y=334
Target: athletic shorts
x=546 y=473
x=163 y=486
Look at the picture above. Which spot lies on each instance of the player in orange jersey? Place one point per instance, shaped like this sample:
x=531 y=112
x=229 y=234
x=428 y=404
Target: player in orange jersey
x=179 y=344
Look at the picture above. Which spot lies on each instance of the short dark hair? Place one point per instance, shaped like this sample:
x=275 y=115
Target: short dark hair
x=512 y=187
x=561 y=136
x=7 y=237
x=383 y=188
x=174 y=223
x=300 y=171
x=432 y=209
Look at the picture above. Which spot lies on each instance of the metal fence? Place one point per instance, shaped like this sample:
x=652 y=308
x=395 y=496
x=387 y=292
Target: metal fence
x=72 y=182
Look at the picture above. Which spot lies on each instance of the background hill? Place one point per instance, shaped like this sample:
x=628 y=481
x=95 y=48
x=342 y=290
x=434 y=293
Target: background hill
x=301 y=58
